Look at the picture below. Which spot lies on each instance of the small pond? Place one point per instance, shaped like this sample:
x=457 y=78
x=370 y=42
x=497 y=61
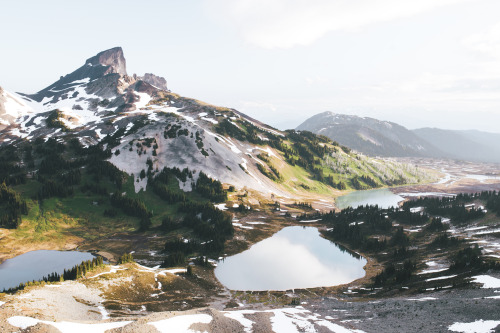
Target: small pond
x=383 y=197
x=293 y=258
x=35 y=265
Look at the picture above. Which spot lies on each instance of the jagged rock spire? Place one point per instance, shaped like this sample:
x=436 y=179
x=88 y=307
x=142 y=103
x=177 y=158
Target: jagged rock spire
x=113 y=58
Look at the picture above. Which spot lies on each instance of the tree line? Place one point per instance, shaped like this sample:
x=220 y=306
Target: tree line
x=12 y=207
x=452 y=207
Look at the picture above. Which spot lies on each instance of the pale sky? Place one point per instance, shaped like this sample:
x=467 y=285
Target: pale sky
x=420 y=63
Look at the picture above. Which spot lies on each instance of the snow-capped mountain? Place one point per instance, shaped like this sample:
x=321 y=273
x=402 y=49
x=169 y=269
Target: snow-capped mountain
x=140 y=125
x=142 y=117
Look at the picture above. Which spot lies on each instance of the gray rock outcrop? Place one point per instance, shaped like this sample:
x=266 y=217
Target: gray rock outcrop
x=113 y=58
x=154 y=80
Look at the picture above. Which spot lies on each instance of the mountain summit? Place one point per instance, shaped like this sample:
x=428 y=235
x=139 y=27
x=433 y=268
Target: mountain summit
x=113 y=58
x=102 y=76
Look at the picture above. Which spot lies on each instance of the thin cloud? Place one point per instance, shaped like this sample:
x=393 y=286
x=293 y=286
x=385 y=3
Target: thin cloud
x=289 y=23
x=486 y=42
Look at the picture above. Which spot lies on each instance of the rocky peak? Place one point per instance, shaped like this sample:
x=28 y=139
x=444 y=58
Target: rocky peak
x=103 y=76
x=154 y=80
x=113 y=58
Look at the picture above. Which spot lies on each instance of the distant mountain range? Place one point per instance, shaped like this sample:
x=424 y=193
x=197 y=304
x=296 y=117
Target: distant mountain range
x=382 y=138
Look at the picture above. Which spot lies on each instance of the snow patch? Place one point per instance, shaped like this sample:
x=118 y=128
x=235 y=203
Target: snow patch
x=172 y=271
x=423 y=299
x=267 y=150
x=14 y=105
x=144 y=99
x=174 y=110
x=487 y=281
x=23 y=322
x=99 y=135
x=429 y=271
x=221 y=206
x=487 y=232
x=114 y=269
x=81 y=81
x=180 y=323
x=475 y=228
x=213 y=121
x=239 y=317
x=494 y=297
x=441 y=278
x=104 y=313
x=479 y=326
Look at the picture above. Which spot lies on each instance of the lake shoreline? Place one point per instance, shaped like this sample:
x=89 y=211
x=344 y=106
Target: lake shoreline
x=285 y=268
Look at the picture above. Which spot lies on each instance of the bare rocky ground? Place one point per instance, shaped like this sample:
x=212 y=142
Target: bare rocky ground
x=428 y=312
x=74 y=302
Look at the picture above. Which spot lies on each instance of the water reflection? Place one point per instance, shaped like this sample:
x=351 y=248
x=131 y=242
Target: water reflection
x=383 y=197
x=295 y=257
x=35 y=265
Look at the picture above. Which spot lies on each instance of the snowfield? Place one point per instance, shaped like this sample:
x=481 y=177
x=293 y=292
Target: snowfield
x=487 y=281
x=478 y=326
x=181 y=324
x=64 y=326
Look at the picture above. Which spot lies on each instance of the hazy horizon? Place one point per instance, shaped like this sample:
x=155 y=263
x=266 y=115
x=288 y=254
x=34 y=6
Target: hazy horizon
x=425 y=64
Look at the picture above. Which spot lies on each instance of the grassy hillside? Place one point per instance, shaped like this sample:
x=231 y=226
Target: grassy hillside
x=315 y=162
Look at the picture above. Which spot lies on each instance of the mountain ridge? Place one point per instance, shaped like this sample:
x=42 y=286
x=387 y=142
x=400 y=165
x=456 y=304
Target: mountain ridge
x=368 y=135
x=471 y=145
x=383 y=138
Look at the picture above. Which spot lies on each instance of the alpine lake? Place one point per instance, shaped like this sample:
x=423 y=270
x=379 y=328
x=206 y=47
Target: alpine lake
x=298 y=257
x=35 y=265
x=383 y=197
x=293 y=258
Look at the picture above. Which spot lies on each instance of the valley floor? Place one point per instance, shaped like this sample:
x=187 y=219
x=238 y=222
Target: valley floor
x=456 y=177
x=135 y=298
